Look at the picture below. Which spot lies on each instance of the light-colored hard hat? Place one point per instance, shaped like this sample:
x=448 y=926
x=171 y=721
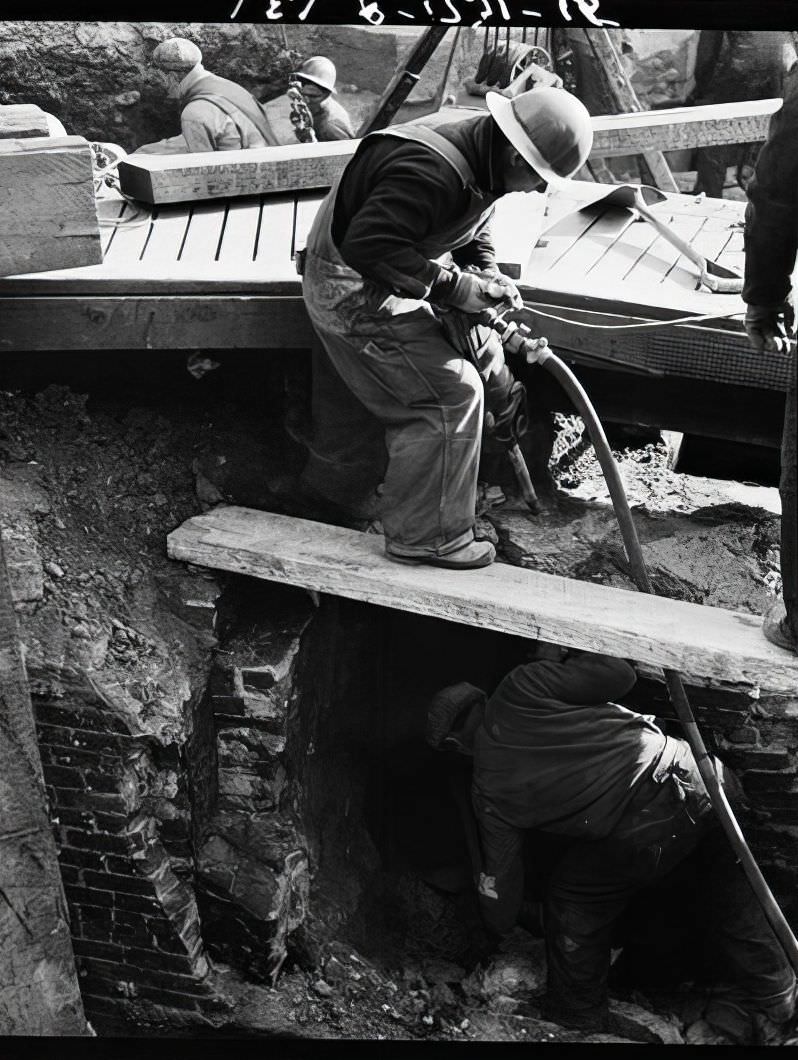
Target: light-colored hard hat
x=178 y=54
x=549 y=127
x=320 y=71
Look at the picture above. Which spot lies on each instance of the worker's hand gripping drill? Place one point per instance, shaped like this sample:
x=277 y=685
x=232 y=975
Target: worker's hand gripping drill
x=474 y=291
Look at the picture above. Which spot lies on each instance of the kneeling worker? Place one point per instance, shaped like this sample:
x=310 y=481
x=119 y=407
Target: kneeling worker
x=394 y=401
x=554 y=753
x=216 y=114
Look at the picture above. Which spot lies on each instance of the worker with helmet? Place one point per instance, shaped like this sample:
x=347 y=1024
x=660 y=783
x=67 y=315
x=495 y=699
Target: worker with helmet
x=402 y=239
x=619 y=806
x=316 y=77
x=216 y=114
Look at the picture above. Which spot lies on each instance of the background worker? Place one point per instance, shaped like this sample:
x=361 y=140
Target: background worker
x=317 y=80
x=553 y=752
x=393 y=400
x=771 y=241
x=216 y=114
x=731 y=66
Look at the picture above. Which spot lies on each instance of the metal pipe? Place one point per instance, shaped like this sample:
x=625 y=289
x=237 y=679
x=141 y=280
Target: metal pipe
x=516 y=340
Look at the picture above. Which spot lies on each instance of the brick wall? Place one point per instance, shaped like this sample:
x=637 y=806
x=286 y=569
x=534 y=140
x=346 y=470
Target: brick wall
x=135 y=925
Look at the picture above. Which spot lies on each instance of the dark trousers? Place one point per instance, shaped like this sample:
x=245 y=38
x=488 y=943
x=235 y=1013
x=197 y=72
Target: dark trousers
x=396 y=402
x=593 y=883
x=788 y=489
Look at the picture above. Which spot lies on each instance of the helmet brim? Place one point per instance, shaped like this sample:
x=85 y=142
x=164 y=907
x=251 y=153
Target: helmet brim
x=315 y=81
x=501 y=110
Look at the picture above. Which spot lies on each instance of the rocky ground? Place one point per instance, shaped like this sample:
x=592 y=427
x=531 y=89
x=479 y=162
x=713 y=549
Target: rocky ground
x=92 y=479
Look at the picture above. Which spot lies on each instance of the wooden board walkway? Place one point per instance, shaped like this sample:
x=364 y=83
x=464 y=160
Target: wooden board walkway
x=220 y=275
x=708 y=645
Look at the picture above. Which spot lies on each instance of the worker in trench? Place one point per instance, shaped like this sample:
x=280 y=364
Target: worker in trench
x=400 y=247
x=316 y=78
x=216 y=114
x=555 y=756
x=771 y=239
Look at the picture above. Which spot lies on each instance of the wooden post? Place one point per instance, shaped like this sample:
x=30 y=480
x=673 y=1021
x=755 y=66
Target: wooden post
x=625 y=99
x=403 y=81
x=39 y=992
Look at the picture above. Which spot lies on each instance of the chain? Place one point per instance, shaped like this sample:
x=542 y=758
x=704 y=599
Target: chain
x=301 y=118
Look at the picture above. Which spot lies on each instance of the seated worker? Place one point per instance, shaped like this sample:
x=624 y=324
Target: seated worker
x=554 y=753
x=216 y=114
x=395 y=401
x=317 y=80
x=771 y=239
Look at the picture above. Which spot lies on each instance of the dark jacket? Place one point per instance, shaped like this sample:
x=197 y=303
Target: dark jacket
x=555 y=754
x=771 y=220
x=738 y=64
x=331 y=121
x=395 y=193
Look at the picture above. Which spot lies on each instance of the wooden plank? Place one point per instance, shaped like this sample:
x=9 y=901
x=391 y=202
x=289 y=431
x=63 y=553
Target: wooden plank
x=240 y=233
x=707 y=644
x=112 y=213
x=159 y=179
x=154 y=322
x=516 y=227
x=48 y=215
x=636 y=240
x=307 y=206
x=129 y=238
x=661 y=258
x=204 y=233
x=682 y=127
x=591 y=247
x=165 y=239
x=275 y=234
x=176 y=178
x=20 y=121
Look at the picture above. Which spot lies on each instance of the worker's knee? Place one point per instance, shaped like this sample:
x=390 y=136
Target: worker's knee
x=463 y=388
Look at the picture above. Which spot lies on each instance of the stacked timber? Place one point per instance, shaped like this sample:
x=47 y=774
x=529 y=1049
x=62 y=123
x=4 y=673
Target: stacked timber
x=48 y=214
x=162 y=179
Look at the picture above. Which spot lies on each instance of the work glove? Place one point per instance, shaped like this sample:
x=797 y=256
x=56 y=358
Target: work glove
x=472 y=293
x=770 y=328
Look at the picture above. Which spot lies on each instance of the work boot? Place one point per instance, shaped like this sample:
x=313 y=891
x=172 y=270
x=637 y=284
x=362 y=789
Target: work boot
x=777 y=629
x=474 y=554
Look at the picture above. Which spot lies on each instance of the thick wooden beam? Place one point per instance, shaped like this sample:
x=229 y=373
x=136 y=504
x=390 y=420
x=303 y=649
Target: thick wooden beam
x=154 y=322
x=681 y=127
x=22 y=120
x=161 y=179
x=48 y=214
x=707 y=644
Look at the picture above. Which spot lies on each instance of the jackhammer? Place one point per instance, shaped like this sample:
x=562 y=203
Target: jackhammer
x=517 y=339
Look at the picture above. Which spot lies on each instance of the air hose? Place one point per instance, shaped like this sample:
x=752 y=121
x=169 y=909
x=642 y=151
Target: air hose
x=516 y=338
